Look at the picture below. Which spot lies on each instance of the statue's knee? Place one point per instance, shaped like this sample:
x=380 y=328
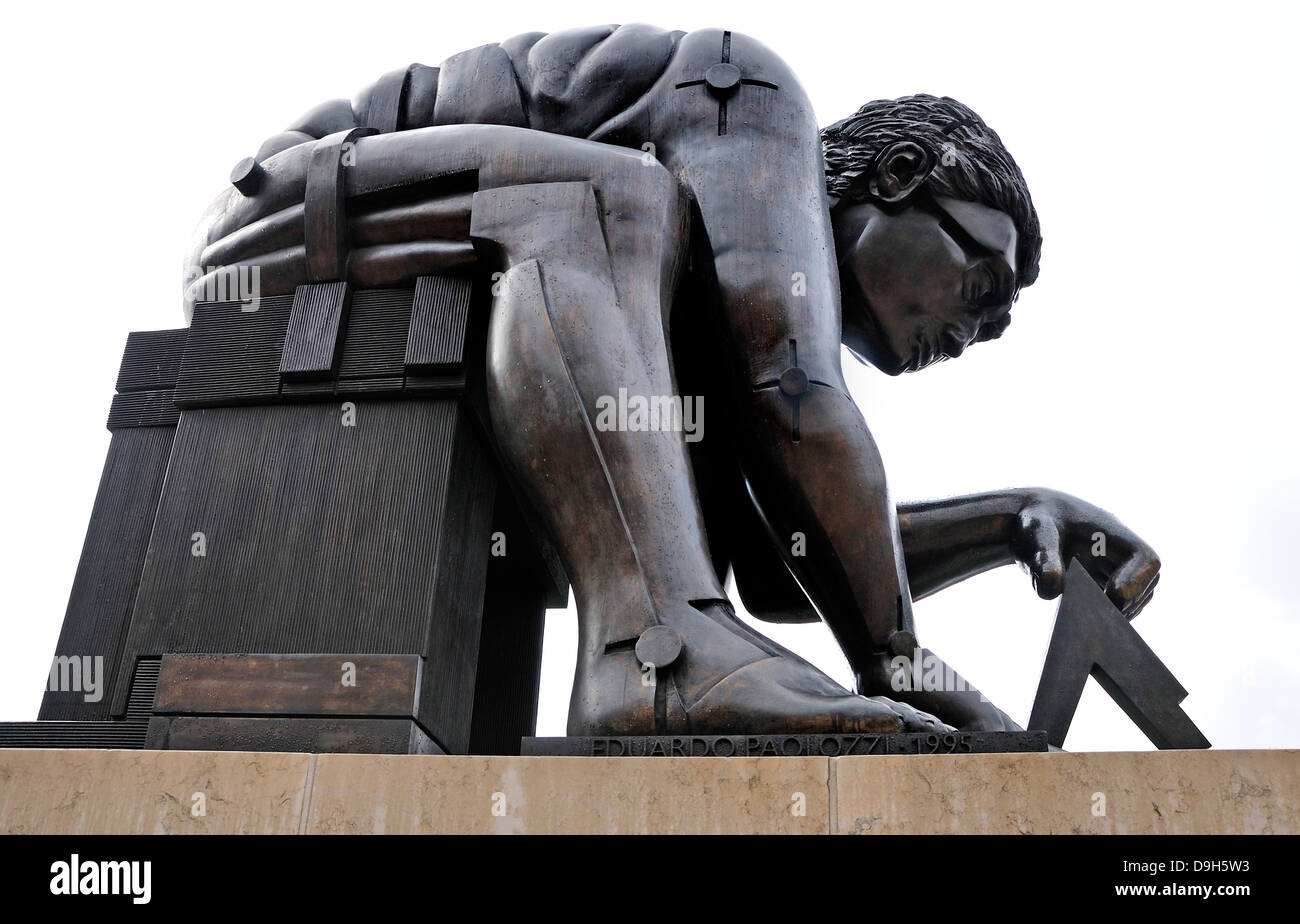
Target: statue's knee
x=811 y=414
x=640 y=194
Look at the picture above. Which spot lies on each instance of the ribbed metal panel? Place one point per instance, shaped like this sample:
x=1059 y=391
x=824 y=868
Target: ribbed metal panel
x=450 y=384
x=308 y=389
x=143 y=689
x=127 y=733
x=233 y=355
x=312 y=339
x=103 y=592
x=143 y=409
x=383 y=384
x=152 y=360
x=319 y=537
x=456 y=602
x=377 y=385
x=439 y=317
x=119 y=735
x=375 y=344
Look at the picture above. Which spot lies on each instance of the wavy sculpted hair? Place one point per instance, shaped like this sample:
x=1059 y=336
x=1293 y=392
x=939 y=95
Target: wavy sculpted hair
x=970 y=161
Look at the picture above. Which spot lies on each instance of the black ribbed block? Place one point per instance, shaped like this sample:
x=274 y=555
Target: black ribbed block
x=313 y=341
x=143 y=422
x=152 y=360
x=311 y=528
x=233 y=355
x=439 y=317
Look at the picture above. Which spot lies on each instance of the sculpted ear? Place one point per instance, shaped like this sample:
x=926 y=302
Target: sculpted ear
x=898 y=170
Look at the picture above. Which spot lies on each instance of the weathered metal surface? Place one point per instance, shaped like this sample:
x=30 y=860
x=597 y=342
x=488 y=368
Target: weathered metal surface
x=289 y=684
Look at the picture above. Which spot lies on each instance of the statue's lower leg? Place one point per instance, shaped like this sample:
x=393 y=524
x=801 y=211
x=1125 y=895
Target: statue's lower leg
x=575 y=320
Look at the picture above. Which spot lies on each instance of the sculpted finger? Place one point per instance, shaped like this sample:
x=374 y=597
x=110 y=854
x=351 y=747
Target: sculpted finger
x=283 y=184
x=427 y=219
x=390 y=246
x=1142 y=601
x=281 y=272
x=394 y=264
x=274 y=232
x=1131 y=581
x=1046 y=567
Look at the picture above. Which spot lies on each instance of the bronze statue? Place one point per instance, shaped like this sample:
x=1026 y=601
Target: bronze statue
x=662 y=219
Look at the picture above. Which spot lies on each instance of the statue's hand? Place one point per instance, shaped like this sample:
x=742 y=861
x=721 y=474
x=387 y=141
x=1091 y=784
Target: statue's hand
x=1054 y=527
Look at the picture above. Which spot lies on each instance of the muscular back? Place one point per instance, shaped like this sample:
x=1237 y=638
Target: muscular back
x=566 y=83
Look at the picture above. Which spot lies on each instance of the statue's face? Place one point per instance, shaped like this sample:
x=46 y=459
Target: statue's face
x=923 y=282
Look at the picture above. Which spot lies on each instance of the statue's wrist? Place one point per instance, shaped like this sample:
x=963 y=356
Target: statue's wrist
x=1032 y=497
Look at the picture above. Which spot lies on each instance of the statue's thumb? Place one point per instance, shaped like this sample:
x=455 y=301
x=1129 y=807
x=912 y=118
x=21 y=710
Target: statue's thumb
x=1046 y=567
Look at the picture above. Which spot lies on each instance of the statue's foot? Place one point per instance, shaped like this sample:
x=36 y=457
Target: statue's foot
x=969 y=715
x=938 y=690
x=777 y=696
x=727 y=679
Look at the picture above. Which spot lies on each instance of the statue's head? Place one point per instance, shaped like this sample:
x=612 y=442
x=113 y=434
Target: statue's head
x=935 y=231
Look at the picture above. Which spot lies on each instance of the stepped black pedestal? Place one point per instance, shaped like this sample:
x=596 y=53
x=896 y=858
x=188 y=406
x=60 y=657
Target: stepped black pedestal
x=310 y=478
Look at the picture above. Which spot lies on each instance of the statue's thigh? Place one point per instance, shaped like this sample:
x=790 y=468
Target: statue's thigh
x=642 y=209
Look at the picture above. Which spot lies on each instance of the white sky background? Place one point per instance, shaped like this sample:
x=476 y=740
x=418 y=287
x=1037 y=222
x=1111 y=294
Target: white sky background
x=1147 y=371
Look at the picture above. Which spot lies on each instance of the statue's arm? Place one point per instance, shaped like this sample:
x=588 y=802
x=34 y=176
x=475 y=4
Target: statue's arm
x=946 y=541
x=949 y=540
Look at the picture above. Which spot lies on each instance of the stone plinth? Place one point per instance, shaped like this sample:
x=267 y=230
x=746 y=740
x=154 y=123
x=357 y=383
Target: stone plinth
x=1144 y=792
x=1173 y=792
